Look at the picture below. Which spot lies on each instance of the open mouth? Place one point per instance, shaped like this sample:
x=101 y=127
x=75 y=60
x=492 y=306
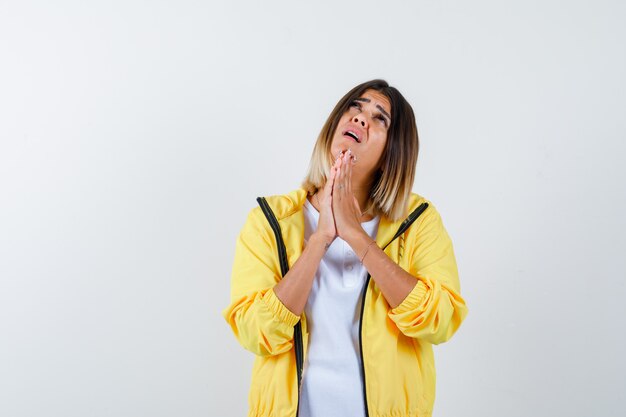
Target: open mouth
x=353 y=135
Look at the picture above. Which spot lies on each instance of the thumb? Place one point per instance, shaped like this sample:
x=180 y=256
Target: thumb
x=328 y=188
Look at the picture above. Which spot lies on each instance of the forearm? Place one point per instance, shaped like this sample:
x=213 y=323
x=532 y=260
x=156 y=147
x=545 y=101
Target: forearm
x=293 y=290
x=394 y=282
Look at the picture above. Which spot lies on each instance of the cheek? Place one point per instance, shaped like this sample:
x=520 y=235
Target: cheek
x=379 y=151
x=380 y=145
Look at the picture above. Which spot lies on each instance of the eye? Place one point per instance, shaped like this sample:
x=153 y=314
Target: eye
x=382 y=119
x=355 y=104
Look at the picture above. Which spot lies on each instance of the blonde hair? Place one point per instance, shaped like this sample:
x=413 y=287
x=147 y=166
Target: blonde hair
x=392 y=184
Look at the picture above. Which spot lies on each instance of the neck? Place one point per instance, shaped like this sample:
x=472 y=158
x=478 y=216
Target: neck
x=361 y=189
x=362 y=196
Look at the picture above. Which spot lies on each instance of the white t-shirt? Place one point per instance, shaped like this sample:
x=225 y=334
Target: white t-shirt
x=332 y=385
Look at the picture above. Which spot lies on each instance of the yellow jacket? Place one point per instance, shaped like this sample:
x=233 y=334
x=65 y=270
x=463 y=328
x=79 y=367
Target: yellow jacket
x=396 y=344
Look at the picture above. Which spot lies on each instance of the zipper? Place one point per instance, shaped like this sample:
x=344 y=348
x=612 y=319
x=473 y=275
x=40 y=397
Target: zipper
x=297 y=336
x=284 y=268
x=405 y=225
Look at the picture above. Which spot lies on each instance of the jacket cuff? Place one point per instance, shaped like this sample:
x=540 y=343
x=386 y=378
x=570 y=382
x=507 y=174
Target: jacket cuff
x=413 y=299
x=278 y=309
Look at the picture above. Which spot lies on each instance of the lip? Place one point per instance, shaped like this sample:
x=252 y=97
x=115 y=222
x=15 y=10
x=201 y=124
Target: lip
x=356 y=130
x=350 y=138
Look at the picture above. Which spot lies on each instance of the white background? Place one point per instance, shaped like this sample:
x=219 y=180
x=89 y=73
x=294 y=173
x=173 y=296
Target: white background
x=135 y=137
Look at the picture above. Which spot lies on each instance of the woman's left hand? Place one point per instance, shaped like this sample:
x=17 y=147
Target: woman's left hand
x=346 y=208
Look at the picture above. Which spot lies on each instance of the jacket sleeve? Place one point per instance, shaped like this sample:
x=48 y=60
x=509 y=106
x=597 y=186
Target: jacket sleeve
x=260 y=321
x=434 y=309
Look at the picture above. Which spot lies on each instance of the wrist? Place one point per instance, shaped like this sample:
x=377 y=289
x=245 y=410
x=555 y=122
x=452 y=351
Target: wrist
x=319 y=238
x=357 y=238
x=361 y=243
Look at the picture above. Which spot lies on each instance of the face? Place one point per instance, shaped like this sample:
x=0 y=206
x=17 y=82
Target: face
x=368 y=118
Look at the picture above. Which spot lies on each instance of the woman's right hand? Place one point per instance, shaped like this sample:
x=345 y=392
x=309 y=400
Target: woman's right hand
x=326 y=224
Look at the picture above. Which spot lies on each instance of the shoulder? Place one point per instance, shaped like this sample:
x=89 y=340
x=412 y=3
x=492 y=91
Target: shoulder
x=280 y=205
x=284 y=205
x=417 y=200
x=429 y=218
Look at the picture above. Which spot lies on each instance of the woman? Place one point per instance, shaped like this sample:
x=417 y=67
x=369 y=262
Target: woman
x=342 y=286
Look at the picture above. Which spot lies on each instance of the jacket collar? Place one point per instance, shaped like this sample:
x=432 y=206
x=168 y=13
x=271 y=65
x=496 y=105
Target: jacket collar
x=290 y=206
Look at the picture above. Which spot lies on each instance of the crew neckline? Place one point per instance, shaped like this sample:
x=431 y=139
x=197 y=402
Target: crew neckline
x=316 y=213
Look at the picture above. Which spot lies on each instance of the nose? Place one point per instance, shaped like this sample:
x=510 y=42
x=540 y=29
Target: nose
x=360 y=119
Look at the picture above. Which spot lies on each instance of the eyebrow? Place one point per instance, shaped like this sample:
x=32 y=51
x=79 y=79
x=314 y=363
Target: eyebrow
x=367 y=100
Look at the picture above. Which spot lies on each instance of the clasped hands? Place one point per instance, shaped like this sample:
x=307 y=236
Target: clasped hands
x=340 y=213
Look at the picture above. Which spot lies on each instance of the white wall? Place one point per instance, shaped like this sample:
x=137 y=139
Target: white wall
x=136 y=135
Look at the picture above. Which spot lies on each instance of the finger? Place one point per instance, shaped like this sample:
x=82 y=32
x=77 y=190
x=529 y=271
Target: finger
x=345 y=165
x=338 y=175
x=333 y=172
x=336 y=163
x=326 y=191
x=339 y=181
x=349 y=175
x=330 y=182
x=340 y=169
